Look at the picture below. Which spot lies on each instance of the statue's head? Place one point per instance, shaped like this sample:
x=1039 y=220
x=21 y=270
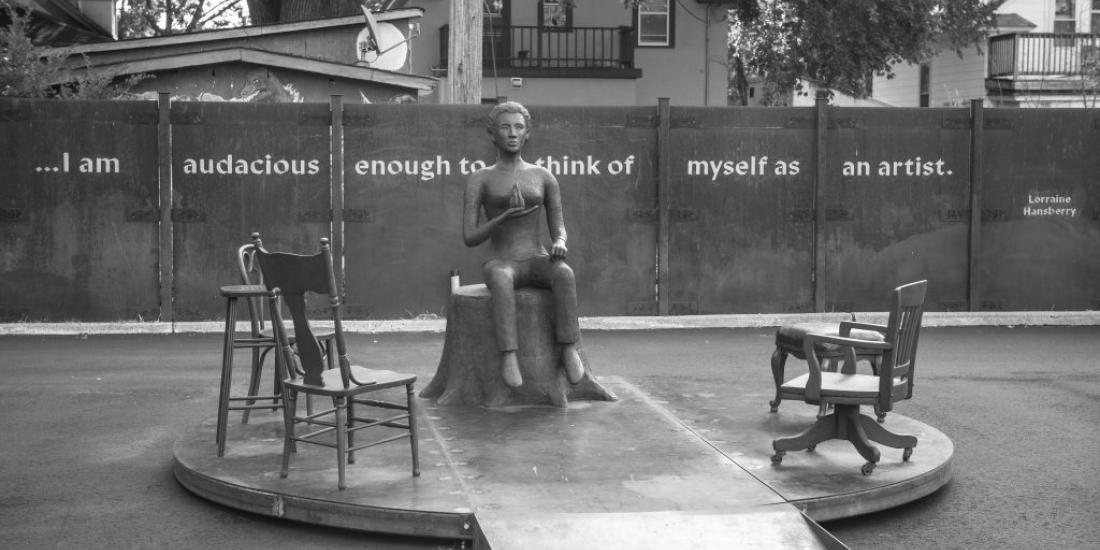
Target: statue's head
x=509 y=125
x=508 y=107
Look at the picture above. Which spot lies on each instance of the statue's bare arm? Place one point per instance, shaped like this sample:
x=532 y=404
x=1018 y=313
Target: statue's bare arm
x=555 y=220
x=473 y=233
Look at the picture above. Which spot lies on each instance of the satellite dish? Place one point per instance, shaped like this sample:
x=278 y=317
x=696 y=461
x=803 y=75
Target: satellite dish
x=381 y=45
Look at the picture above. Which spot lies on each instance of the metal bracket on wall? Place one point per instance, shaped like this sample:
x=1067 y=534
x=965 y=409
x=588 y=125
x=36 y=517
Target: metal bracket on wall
x=831 y=215
x=648 y=215
x=351 y=215
x=187 y=215
x=12 y=215
x=142 y=215
x=963 y=215
x=999 y=124
x=955 y=124
x=641 y=121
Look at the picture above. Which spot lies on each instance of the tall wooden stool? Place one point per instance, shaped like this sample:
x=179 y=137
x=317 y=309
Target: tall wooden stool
x=258 y=343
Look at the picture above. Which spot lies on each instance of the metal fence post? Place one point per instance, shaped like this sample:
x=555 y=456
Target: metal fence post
x=973 y=249
x=166 y=258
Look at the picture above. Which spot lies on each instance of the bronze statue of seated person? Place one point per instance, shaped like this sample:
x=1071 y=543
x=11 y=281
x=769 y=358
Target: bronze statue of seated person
x=511 y=192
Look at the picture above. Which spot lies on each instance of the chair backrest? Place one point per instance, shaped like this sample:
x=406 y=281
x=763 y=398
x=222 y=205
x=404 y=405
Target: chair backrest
x=290 y=277
x=250 y=275
x=903 y=331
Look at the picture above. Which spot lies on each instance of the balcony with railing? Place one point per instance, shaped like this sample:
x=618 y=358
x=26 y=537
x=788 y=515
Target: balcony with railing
x=1022 y=61
x=578 y=52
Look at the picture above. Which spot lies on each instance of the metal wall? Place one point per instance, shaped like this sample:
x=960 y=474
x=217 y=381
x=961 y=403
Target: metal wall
x=126 y=210
x=77 y=182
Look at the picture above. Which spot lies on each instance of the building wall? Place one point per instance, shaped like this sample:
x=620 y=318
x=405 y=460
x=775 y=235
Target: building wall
x=574 y=91
x=230 y=81
x=682 y=73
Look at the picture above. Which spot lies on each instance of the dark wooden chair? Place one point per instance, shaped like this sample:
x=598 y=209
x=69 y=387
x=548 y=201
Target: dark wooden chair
x=847 y=390
x=259 y=339
x=290 y=277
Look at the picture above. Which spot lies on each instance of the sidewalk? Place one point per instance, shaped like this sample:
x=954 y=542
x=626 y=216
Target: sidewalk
x=439 y=325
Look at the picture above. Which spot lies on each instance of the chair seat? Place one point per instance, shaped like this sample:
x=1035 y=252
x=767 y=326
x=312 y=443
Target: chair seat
x=243 y=291
x=331 y=383
x=790 y=337
x=837 y=386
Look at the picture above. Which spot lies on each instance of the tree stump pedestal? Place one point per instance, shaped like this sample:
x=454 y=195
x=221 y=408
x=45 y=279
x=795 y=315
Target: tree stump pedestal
x=469 y=369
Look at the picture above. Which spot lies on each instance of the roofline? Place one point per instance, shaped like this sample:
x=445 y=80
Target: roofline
x=241 y=32
x=259 y=57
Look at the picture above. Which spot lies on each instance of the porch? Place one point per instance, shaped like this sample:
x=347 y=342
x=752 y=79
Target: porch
x=1043 y=63
x=531 y=51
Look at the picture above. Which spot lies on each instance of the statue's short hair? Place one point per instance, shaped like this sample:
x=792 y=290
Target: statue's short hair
x=507 y=107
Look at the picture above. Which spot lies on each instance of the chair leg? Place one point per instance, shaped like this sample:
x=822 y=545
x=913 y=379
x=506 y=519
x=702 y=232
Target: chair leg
x=414 y=437
x=823 y=430
x=879 y=434
x=351 y=433
x=276 y=383
x=227 y=373
x=289 y=402
x=779 y=361
x=846 y=422
x=853 y=430
x=341 y=404
x=253 y=383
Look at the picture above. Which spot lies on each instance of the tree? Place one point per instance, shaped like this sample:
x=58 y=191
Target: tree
x=840 y=44
x=264 y=12
x=30 y=70
x=145 y=18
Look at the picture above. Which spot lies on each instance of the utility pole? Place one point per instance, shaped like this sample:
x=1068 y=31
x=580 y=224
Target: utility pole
x=464 y=52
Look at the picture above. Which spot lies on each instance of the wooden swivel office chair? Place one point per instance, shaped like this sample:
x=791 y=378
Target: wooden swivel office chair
x=846 y=390
x=290 y=277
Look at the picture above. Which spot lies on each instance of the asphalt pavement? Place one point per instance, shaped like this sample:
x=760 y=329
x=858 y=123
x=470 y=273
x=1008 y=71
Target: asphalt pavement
x=90 y=420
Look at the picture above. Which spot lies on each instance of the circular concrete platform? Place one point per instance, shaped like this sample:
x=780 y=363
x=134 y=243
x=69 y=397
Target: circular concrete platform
x=634 y=456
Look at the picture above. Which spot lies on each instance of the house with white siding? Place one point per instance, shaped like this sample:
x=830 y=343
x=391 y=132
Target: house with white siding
x=1043 y=53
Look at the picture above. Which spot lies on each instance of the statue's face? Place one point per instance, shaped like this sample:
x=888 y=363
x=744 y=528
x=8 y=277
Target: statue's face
x=510 y=132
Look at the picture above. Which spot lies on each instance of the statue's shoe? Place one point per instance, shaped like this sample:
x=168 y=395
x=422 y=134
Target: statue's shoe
x=574 y=367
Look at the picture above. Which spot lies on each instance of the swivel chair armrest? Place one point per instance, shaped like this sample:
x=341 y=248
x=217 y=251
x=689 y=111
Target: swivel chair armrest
x=847 y=326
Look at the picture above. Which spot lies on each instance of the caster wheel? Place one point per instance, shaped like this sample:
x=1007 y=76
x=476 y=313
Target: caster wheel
x=811 y=448
x=908 y=452
x=774 y=406
x=867 y=468
x=778 y=457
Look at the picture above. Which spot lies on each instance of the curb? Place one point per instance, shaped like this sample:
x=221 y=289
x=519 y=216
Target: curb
x=439 y=325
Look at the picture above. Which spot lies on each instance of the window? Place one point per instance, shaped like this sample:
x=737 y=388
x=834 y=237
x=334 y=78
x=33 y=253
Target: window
x=555 y=15
x=1065 y=17
x=925 y=84
x=654 y=21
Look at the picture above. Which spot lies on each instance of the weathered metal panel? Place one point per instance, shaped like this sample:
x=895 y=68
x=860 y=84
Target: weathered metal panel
x=239 y=168
x=741 y=182
x=1041 y=194
x=897 y=182
x=399 y=258
x=77 y=178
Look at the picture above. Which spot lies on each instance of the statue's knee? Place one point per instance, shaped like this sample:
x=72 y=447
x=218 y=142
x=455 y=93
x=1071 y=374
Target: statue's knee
x=498 y=276
x=563 y=273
